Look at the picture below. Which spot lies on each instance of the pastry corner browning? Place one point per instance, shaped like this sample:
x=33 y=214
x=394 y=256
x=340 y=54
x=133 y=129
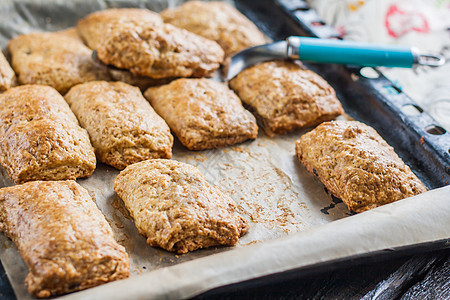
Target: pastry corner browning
x=356 y=165
x=123 y=127
x=40 y=138
x=204 y=114
x=175 y=208
x=284 y=96
x=62 y=236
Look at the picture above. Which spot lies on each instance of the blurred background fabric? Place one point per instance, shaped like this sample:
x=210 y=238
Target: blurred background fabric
x=424 y=24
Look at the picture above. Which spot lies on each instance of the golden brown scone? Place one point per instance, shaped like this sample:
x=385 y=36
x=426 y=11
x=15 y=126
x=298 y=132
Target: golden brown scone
x=7 y=75
x=356 y=165
x=175 y=208
x=58 y=59
x=204 y=114
x=93 y=27
x=40 y=138
x=284 y=97
x=217 y=21
x=62 y=236
x=152 y=48
x=123 y=127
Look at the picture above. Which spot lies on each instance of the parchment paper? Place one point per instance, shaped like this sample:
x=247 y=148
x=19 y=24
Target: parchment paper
x=294 y=222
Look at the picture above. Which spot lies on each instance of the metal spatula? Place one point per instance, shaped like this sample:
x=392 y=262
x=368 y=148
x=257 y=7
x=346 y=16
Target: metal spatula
x=333 y=51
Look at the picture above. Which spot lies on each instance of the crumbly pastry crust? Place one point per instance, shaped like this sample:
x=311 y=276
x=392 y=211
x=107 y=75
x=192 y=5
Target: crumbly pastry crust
x=93 y=27
x=204 y=114
x=217 y=21
x=123 y=127
x=175 y=208
x=58 y=59
x=152 y=48
x=7 y=75
x=284 y=96
x=40 y=138
x=159 y=51
x=62 y=236
x=356 y=165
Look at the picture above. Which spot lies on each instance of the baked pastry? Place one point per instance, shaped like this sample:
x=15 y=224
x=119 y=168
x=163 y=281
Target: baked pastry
x=7 y=75
x=175 y=208
x=62 y=236
x=40 y=138
x=217 y=21
x=203 y=113
x=58 y=59
x=93 y=27
x=123 y=127
x=151 y=48
x=356 y=165
x=284 y=97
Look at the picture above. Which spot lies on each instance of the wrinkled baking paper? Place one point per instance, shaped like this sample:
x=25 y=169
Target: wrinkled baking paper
x=290 y=213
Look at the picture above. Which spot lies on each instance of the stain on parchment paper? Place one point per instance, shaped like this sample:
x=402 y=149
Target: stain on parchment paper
x=8 y=243
x=92 y=194
x=252 y=242
x=264 y=193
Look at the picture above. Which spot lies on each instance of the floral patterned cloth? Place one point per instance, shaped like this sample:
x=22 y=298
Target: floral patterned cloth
x=424 y=24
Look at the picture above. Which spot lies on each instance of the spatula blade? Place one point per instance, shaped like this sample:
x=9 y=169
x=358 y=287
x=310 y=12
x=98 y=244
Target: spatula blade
x=254 y=55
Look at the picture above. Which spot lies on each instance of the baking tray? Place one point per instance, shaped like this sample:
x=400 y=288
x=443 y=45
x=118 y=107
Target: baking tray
x=366 y=99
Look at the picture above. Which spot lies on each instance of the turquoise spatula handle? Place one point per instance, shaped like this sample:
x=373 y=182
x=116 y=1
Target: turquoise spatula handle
x=351 y=53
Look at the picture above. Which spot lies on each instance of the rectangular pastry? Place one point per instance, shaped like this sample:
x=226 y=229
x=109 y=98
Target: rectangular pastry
x=149 y=48
x=62 y=236
x=92 y=31
x=123 y=127
x=203 y=113
x=217 y=21
x=356 y=165
x=93 y=27
x=7 y=75
x=40 y=138
x=58 y=59
x=284 y=96
x=175 y=208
